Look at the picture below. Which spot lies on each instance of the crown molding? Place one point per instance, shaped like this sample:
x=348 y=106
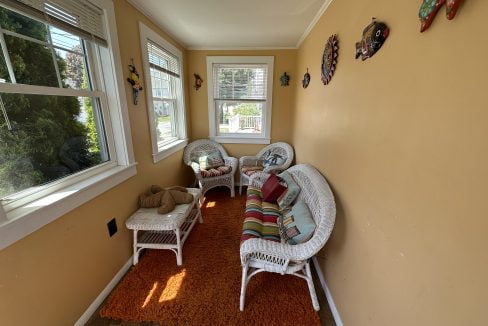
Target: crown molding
x=239 y=48
x=313 y=22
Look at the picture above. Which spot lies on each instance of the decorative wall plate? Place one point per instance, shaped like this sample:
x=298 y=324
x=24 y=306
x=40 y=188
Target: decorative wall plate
x=329 y=59
x=285 y=79
x=428 y=11
x=306 y=79
x=374 y=35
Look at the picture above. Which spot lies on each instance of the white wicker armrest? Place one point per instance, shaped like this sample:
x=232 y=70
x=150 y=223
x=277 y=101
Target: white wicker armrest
x=195 y=166
x=232 y=162
x=258 y=179
x=275 y=249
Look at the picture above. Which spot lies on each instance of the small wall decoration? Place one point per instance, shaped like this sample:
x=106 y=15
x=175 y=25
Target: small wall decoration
x=306 y=79
x=374 y=35
x=428 y=11
x=285 y=79
x=329 y=59
x=452 y=8
x=429 y=8
x=134 y=81
x=198 y=81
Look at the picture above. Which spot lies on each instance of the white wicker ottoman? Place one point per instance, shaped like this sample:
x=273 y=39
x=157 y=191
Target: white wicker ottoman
x=164 y=231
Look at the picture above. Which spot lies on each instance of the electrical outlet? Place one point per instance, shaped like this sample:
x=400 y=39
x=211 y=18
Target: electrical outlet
x=112 y=227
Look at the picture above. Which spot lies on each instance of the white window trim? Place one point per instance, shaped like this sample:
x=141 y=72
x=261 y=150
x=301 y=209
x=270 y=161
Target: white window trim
x=22 y=221
x=240 y=138
x=161 y=152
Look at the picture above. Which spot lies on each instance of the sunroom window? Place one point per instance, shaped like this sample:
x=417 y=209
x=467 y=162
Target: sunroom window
x=240 y=95
x=52 y=105
x=165 y=96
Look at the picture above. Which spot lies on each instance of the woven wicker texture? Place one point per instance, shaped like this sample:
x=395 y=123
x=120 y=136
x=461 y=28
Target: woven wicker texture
x=205 y=290
x=205 y=184
x=284 y=149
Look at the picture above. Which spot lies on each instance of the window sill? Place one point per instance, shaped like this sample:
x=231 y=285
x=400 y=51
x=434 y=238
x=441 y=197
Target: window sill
x=169 y=149
x=240 y=140
x=24 y=220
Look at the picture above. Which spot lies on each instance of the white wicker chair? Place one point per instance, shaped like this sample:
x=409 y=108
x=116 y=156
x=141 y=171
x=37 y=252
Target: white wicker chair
x=281 y=148
x=258 y=255
x=226 y=180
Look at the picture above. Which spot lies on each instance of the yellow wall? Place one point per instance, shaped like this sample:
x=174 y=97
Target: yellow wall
x=402 y=138
x=283 y=97
x=52 y=276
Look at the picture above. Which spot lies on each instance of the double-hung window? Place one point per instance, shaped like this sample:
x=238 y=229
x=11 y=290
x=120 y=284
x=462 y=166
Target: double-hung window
x=240 y=98
x=62 y=115
x=165 y=97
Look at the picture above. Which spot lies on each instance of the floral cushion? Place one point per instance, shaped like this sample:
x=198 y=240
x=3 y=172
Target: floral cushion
x=214 y=172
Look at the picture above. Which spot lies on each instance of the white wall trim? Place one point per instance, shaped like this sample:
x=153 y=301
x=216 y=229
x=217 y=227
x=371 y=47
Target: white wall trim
x=104 y=294
x=328 y=294
x=313 y=22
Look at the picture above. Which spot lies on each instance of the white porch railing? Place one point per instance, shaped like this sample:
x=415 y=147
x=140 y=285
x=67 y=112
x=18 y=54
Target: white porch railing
x=246 y=123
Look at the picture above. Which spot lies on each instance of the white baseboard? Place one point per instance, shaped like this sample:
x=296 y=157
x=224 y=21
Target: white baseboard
x=328 y=294
x=105 y=292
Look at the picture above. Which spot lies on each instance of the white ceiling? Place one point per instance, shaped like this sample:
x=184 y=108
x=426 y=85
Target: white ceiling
x=222 y=24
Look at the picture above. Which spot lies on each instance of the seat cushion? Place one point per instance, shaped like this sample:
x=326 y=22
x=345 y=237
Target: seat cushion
x=250 y=170
x=221 y=170
x=260 y=218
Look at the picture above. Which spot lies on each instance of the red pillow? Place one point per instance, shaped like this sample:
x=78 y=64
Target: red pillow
x=272 y=189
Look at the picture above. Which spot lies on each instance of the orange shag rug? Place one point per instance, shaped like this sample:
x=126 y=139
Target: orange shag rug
x=205 y=289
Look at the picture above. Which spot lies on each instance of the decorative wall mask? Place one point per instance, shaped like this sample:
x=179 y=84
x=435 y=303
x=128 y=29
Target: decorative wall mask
x=374 y=35
x=306 y=79
x=285 y=79
x=134 y=81
x=329 y=59
x=198 y=81
x=452 y=8
x=428 y=11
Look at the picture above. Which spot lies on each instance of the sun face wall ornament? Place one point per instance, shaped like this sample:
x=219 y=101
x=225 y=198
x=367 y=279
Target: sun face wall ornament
x=374 y=35
x=329 y=59
x=306 y=79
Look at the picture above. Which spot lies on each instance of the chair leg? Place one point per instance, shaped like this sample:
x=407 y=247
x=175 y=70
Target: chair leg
x=243 y=287
x=311 y=288
x=232 y=188
x=135 y=256
x=179 y=254
x=240 y=184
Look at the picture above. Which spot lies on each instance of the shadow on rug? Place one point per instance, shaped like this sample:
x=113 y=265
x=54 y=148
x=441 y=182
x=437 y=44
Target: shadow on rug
x=205 y=289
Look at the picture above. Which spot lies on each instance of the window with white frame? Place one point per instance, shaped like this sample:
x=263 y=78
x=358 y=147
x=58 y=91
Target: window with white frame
x=63 y=117
x=165 y=97
x=240 y=98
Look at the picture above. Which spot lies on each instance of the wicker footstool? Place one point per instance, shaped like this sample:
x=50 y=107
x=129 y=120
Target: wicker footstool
x=164 y=231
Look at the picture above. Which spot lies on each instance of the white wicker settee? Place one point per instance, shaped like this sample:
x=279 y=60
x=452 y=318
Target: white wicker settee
x=259 y=255
x=206 y=145
x=282 y=149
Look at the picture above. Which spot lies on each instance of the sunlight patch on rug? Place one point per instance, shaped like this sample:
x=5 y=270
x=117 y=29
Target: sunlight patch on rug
x=172 y=287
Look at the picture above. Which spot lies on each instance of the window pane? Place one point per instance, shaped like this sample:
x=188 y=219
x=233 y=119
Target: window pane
x=4 y=76
x=14 y=22
x=160 y=84
x=239 y=117
x=32 y=62
x=73 y=67
x=64 y=39
x=164 y=114
x=44 y=138
x=240 y=82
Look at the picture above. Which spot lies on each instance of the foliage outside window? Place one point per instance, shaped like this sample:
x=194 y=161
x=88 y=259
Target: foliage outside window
x=51 y=118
